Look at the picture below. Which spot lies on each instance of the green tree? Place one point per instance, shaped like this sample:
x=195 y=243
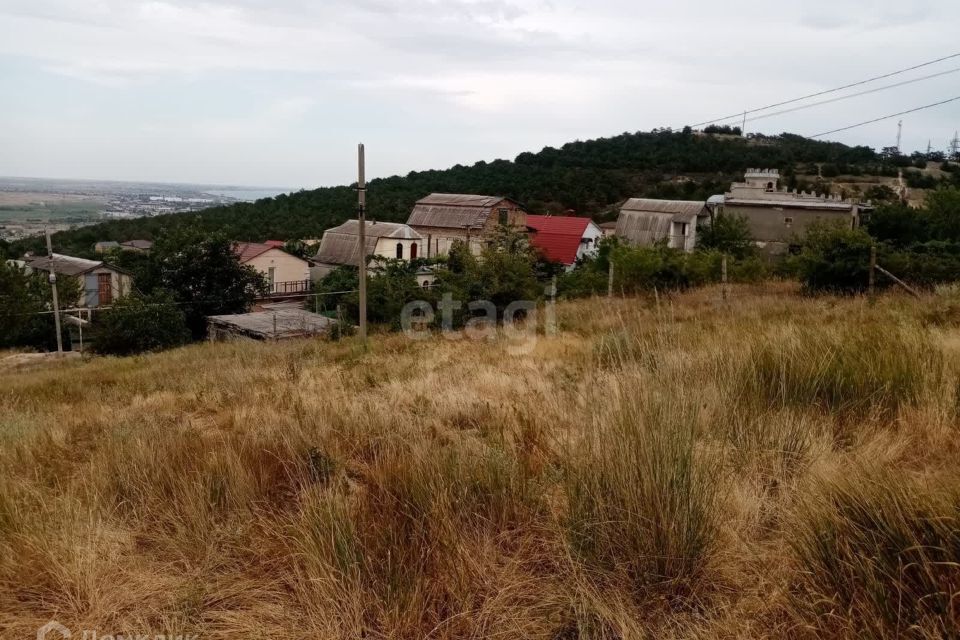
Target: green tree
x=728 y=234
x=139 y=323
x=205 y=277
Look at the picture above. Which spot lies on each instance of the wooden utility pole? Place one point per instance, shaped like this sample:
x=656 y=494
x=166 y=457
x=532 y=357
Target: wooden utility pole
x=362 y=239
x=873 y=271
x=610 y=279
x=53 y=285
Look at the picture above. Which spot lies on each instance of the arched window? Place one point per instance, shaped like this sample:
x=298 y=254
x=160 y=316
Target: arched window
x=413 y=251
x=769 y=186
x=399 y=251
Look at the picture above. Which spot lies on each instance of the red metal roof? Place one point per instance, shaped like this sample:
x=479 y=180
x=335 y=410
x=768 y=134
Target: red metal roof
x=276 y=244
x=247 y=251
x=557 y=237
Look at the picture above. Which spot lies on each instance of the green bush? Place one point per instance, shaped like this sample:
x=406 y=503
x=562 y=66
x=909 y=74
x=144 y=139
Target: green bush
x=138 y=323
x=834 y=259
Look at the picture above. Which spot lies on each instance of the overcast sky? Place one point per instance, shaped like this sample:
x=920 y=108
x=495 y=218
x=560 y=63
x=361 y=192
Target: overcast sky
x=278 y=92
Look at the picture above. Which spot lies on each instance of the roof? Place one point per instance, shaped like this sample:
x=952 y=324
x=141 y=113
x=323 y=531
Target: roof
x=276 y=244
x=609 y=225
x=793 y=204
x=247 y=251
x=107 y=243
x=339 y=244
x=681 y=210
x=138 y=244
x=558 y=237
x=280 y=323
x=65 y=265
x=453 y=210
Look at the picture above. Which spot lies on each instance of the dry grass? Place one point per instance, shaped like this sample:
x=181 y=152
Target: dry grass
x=775 y=466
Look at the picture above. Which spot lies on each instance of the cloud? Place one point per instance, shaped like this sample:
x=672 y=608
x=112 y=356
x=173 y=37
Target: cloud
x=429 y=82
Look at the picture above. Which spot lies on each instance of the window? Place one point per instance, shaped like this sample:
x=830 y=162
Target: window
x=399 y=251
x=413 y=251
x=788 y=221
x=684 y=228
x=271 y=275
x=769 y=186
x=503 y=216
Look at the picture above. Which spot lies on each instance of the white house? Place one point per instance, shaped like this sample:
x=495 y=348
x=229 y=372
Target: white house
x=340 y=245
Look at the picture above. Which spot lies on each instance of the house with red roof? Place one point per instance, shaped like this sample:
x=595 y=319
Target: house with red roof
x=285 y=273
x=564 y=239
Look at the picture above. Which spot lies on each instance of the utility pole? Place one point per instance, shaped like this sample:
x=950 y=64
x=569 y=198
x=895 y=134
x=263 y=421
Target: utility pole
x=872 y=281
x=899 y=134
x=362 y=239
x=743 y=129
x=53 y=286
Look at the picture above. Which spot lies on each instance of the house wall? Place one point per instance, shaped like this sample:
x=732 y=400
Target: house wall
x=121 y=285
x=774 y=223
x=387 y=248
x=287 y=268
x=593 y=233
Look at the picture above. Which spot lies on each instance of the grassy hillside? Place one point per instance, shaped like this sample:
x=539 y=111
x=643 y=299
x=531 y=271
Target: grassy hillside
x=588 y=177
x=654 y=470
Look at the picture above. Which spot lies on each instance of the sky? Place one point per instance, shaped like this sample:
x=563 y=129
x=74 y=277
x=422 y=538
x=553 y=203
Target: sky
x=279 y=92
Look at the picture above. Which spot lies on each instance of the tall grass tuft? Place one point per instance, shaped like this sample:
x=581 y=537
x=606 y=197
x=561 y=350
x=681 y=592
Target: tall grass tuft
x=852 y=370
x=643 y=505
x=880 y=556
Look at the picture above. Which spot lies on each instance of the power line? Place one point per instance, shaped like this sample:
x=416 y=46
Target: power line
x=852 y=95
x=822 y=93
x=892 y=115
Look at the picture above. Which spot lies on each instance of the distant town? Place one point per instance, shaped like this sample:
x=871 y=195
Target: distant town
x=30 y=205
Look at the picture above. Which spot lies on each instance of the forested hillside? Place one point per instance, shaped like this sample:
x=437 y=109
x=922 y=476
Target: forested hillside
x=587 y=177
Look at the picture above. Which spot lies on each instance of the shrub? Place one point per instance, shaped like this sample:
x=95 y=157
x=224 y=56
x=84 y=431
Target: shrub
x=139 y=323
x=834 y=259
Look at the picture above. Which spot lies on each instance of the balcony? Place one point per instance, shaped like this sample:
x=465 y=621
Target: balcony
x=288 y=288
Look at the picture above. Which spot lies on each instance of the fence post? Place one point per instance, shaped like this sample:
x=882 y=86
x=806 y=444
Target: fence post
x=723 y=276
x=610 y=280
x=871 y=287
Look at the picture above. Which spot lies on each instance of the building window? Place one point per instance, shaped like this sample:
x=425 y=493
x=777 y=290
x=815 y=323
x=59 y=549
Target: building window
x=684 y=228
x=769 y=186
x=271 y=276
x=413 y=251
x=788 y=221
x=399 y=251
x=503 y=216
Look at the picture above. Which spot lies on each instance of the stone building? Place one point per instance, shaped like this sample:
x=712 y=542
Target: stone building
x=340 y=245
x=777 y=216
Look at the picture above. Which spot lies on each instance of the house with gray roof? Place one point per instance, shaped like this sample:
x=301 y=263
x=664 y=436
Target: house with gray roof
x=340 y=245
x=444 y=218
x=100 y=283
x=645 y=221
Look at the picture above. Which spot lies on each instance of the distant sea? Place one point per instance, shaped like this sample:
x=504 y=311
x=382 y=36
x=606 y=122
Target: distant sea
x=245 y=195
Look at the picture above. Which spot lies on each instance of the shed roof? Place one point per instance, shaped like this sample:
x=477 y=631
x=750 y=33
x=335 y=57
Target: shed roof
x=280 y=323
x=65 y=265
x=558 y=237
x=643 y=227
x=453 y=210
x=681 y=210
x=138 y=244
x=339 y=244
